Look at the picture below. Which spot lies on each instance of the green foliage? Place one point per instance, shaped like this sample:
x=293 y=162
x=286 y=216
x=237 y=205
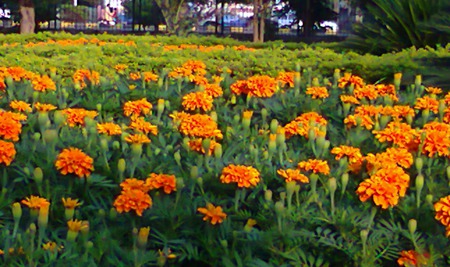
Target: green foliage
x=395 y=25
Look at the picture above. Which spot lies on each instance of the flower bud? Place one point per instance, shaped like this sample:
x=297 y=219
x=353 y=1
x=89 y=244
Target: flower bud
x=16 y=211
x=43 y=216
x=206 y=144
x=311 y=134
x=116 y=145
x=412 y=226
x=26 y=170
x=418 y=81
x=268 y=195
x=213 y=116
x=273 y=126
x=36 y=137
x=180 y=183
x=101 y=213
x=282 y=196
x=194 y=172
x=315 y=82
x=429 y=199
x=272 y=143
x=167 y=105
x=38 y=175
x=104 y=144
x=249 y=225
x=419 y=164
x=121 y=165
x=320 y=141
x=332 y=185
x=160 y=106
x=265 y=155
x=326 y=145
x=364 y=234
x=32 y=228
x=246 y=119
x=419 y=182
x=264 y=114
x=426 y=114
x=50 y=136
x=441 y=107
x=112 y=214
x=290 y=188
x=177 y=157
x=224 y=243
x=233 y=99
x=136 y=150
x=409 y=119
x=218 y=151
x=143 y=237
x=344 y=180
x=279 y=208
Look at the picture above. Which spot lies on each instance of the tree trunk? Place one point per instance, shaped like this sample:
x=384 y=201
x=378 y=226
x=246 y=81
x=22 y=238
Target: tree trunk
x=307 y=21
x=262 y=21
x=27 y=19
x=255 y=21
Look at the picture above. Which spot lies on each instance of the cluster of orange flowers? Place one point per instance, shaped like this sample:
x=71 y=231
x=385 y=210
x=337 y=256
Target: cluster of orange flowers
x=197 y=125
x=412 y=258
x=80 y=77
x=442 y=208
x=75 y=161
x=137 y=108
x=244 y=176
x=10 y=129
x=189 y=69
x=304 y=123
x=74 y=42
x=40 y=83
x=76 y=116
x=317 y=92
x=258 y=86
x=353 y=155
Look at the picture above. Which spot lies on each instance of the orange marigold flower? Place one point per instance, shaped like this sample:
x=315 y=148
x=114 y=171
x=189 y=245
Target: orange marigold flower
x=315 y=165
x=403 y=111
x=259 y=86
x=7 y=152
x=43 y=83
x=197 y=100
x=137 y=107
x=433 y=90
x=135 y=76
x=244 y=176
x=166 y=181
x=200 y=80
x=383 y=193
x=368 y=110
x=350 y=79
x=134 y=184
x=34 y=202
x=392 y=157
x=77 y=225
x=120 y=67
x=303 y=123
x=199 y=125
x=317 y=92
x=353 y=153
x=137 y=139
x=427 y=103
x=70 y=203
x=447 y=98
x=442 y=208
x=436 y=142
x=133 y=199
x=212 y=213
x=44 y=107
x=20 y=106
x=109 y=128
x=349 y=99
x=286 y=78
x=73 y=160
x=197 y=145
x=10 y=125
x=398 y=133
x=76 y=116
x=81 y=76
x=412 y=258
x=213 y=90
x=141 y=125
x=150 y=77
x=387 y=90
x=367 y=91
x=290 y=175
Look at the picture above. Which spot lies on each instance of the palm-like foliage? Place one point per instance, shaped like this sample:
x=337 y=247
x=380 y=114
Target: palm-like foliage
x=397 y=24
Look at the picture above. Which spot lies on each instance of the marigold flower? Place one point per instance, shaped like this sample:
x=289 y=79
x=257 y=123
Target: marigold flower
x=134 y=184
x=286 y=78
x=412 y=258
x=197 y=100
x=302 y=124
x=436 y=142
x=73 y=160
x=200 y=80
x=442 y=208
x=76 y=225
x=109 y=128
x=199 y=125
x=349 y=99
x=137 y=108
x=76 y=116
x=150 y=77
x=447 y=98
x=244 y=176
x=197 y=145
x=427 y=103
x=259 y=86
x=34 y=202
x=133 y=199
x=81 y=76
x=353 y=153
x=135 y=76
x=44 y=107
x=383 y=193
x=139 y=124
x=70 y=203
x=43 y=83
x=20 y=106
x=433 y=90
x=51 y=246
x=137 y=139
x=317 y=92
x=10 y=125
x=400 y=134
x=403 y=111
x=120 y=67
x=7 y=152
x=213 y=90
x=290 y=175
x=350 y=79
x=165 y=181
x=315 y=165
x=368 y=110
x=212 y=213
x=387 y=90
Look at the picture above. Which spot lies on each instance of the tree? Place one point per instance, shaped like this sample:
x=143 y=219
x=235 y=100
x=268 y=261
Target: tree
x=27 y=16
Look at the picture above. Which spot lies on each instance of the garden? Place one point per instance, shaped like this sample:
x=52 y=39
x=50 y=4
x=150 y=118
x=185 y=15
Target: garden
x=200 y=151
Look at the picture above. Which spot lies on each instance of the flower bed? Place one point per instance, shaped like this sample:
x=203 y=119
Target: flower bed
x=193 y=165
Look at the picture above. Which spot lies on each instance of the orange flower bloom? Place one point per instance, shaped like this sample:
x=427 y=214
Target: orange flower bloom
x=197 y=145
x=213 y=90
x=290 y=175
x=286 y=78
x=7 y=152
x=199 y=125
x=166 y=181
x=367 y=91
x=212 y=213
x=135 y=76
x=70 y=203
x=427 y=103
x=383 y=193
x=34 y=202
x=412 y=258
x=136 y=108
x=317 y=92
x=437 y=140
x=76 y=116
x=150 y=77
x=315 y=165
x=81 y=76
x=244 y=176
x=349 y=99
x=403 y=111
x=350 y=79
x=365 y=120
x=137 y=139
x=44 y=107
x=200 y=80
x=387 y=90
x=259 y=86
x=10 y=125
x=121 y=67
x=133 y=199
x=77 y=225
x=43 y=83
x=400 y=134
x=73 y=160
x=302 y=124
x=353 y=153
x=109 y=128
x=442 y=208
x=368 y=110
x=139 y=124
x=197 y=100
x=433 y=90
x=134 y=184
x=20 y=106
x=447 y=98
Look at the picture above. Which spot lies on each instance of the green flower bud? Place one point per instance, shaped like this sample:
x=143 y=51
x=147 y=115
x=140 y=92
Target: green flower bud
x=121 y=165
x=180 y=183
x=273 y=126
x=101 y=213
x=50 y=136
x=112 y=214
x=412 y=226
x=364 y=234
x=218 y=151
x=136 y=150
x=268 y=195
x=116 y=145
x=311 y=134
x=104 y=144
x=177 y=157
x=38 y=175
x=26 y=170
x=332 y=185
x=224 y=243
x=279 y=208
x=429 y=199
x=419 y=182
x=290 y=188
x=213 y=115
x=409 y=119
x=17 y=212
x=233 y=99
x=419 y=164
x=206 y=144
x=59 y=117
x=264 y=114
x=194 y=172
